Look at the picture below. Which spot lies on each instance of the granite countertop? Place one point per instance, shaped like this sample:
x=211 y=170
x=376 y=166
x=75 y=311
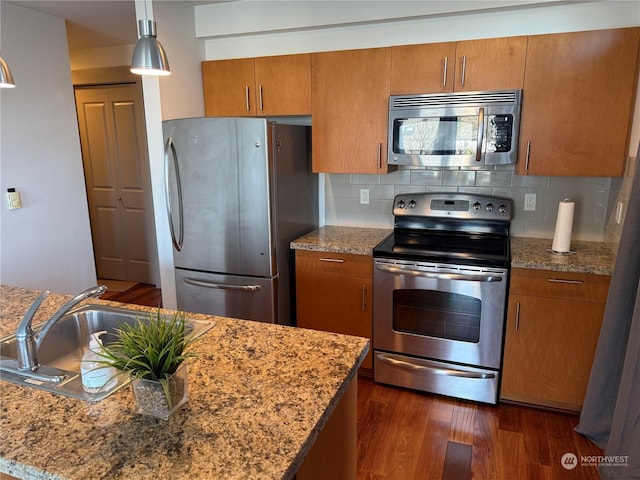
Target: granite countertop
x=589 y=257
x=259 y=394
x=335 y=239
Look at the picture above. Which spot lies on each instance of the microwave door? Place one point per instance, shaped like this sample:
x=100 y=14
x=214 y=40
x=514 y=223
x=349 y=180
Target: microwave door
x=445 y=138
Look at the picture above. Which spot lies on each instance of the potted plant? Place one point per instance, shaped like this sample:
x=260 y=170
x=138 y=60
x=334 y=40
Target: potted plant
x=152 y=352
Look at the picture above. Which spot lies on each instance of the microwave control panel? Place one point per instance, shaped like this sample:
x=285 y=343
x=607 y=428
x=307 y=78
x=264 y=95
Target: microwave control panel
x=499 y=133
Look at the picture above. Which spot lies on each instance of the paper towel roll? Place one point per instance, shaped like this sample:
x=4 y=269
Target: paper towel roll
x=564 y=224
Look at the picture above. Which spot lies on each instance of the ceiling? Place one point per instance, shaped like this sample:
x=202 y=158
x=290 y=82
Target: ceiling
x=94 y=23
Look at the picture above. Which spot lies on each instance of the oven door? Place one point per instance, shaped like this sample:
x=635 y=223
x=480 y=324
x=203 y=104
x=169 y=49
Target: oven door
x=446 y=313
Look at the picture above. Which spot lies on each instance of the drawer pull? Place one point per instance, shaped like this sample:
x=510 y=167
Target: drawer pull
x=561 y=280
x=517 y=316
x=333 y=260
x=364 y=298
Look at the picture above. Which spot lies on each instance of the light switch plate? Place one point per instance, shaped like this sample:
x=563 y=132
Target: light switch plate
x=364 y=196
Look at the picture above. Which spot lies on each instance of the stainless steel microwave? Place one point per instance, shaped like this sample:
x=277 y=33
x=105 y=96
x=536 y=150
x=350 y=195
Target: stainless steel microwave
x=463 y=129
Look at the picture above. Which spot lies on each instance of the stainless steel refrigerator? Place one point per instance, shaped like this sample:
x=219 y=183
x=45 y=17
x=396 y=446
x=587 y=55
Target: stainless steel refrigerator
x=239 y=190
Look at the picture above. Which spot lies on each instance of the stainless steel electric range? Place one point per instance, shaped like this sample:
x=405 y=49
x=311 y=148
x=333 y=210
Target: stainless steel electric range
x=440 y=293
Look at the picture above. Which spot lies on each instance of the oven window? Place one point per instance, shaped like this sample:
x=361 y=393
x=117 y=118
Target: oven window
x=437 y=314
x=436 y=135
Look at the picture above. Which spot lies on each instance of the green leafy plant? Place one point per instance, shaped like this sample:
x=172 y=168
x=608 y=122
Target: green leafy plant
x=152 y=348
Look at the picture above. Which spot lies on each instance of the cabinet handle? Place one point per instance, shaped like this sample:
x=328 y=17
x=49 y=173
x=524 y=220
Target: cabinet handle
x=444 y=75
x=379 y=156
x=333 y=260
x=364 y=297
x=464 y=70
x=261 y=102
x=526 y=162
x=562 y=280
x=517 y=316
x=246 y=96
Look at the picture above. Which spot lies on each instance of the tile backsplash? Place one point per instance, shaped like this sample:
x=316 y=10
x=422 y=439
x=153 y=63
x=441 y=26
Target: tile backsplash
x=595 y=198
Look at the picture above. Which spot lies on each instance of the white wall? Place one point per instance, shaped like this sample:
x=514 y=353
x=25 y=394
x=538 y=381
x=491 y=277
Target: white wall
x=47 y=243
x=101 y=57
x=177 y=96
x=422 y=22
x=181 y=92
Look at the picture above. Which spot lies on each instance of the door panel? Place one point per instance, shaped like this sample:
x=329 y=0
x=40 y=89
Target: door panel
x=111 y=125
x=223 y=169
x=232 y=296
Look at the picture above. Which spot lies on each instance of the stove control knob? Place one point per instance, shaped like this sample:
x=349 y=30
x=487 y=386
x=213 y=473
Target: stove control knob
x=401 y=204
x=502 y=208
x=412 y=204
x=489 y=207
x=476 y=206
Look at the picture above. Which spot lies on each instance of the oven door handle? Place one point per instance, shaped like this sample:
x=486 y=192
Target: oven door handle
x=432 y=368
x=479 y=277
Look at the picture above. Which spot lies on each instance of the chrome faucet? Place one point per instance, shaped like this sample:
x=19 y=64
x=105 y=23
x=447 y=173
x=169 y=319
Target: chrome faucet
x=28 y=342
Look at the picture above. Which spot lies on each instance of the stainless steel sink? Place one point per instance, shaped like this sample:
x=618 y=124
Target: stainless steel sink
x=67 y=341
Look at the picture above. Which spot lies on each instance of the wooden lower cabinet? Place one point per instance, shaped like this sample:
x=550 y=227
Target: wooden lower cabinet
x=553 y=325
x=334 y=294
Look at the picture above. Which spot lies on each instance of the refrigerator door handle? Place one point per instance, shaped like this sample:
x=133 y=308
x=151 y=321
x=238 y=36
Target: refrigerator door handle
x=222 y=286
x=170 y=148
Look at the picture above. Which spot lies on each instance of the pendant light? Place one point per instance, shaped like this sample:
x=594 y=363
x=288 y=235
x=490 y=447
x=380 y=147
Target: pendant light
x=148 y=55
x=6 y=79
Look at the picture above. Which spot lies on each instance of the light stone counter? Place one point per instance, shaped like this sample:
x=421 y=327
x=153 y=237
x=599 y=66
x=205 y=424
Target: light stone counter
x=259 y=395
x=335 y=239
x=589 y=257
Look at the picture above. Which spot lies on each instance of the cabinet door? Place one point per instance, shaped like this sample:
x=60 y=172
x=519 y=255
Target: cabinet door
x=549 y=348
x=229 y=88
x=426 y=68
x=490 y=64
x=283 y=85
x=577 y=103
x=350 y=108
x=333 y=296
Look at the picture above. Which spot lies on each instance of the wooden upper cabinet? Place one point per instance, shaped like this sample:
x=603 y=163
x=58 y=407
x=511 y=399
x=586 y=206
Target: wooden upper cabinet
x=350 y=109
x=577 y=105
x=283 y=85
x=426 y=68
x=279 y=85
x=490 y=64
x=229 y=88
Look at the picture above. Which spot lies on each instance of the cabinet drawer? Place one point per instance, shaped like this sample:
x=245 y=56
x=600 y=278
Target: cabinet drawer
x=360 y=266
x=564 y=285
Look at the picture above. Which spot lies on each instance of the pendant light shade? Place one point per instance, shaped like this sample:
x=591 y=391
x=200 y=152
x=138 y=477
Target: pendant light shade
x=148 y=55
x=6 y=79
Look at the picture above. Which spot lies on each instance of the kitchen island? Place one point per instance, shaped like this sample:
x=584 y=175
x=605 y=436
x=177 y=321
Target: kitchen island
x=260 y=397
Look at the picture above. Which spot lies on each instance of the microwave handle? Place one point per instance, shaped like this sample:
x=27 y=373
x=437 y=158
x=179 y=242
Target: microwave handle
x=480 y=134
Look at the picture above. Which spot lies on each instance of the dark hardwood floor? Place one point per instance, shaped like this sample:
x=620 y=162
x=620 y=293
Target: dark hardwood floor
x=408 y=435
x=403 y=434
x=139 y=294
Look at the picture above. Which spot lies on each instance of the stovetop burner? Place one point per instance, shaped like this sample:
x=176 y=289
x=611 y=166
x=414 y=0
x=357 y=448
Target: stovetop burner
x=449 y=228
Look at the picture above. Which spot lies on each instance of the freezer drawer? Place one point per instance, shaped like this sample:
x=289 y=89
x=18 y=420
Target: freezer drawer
x=248 y=298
